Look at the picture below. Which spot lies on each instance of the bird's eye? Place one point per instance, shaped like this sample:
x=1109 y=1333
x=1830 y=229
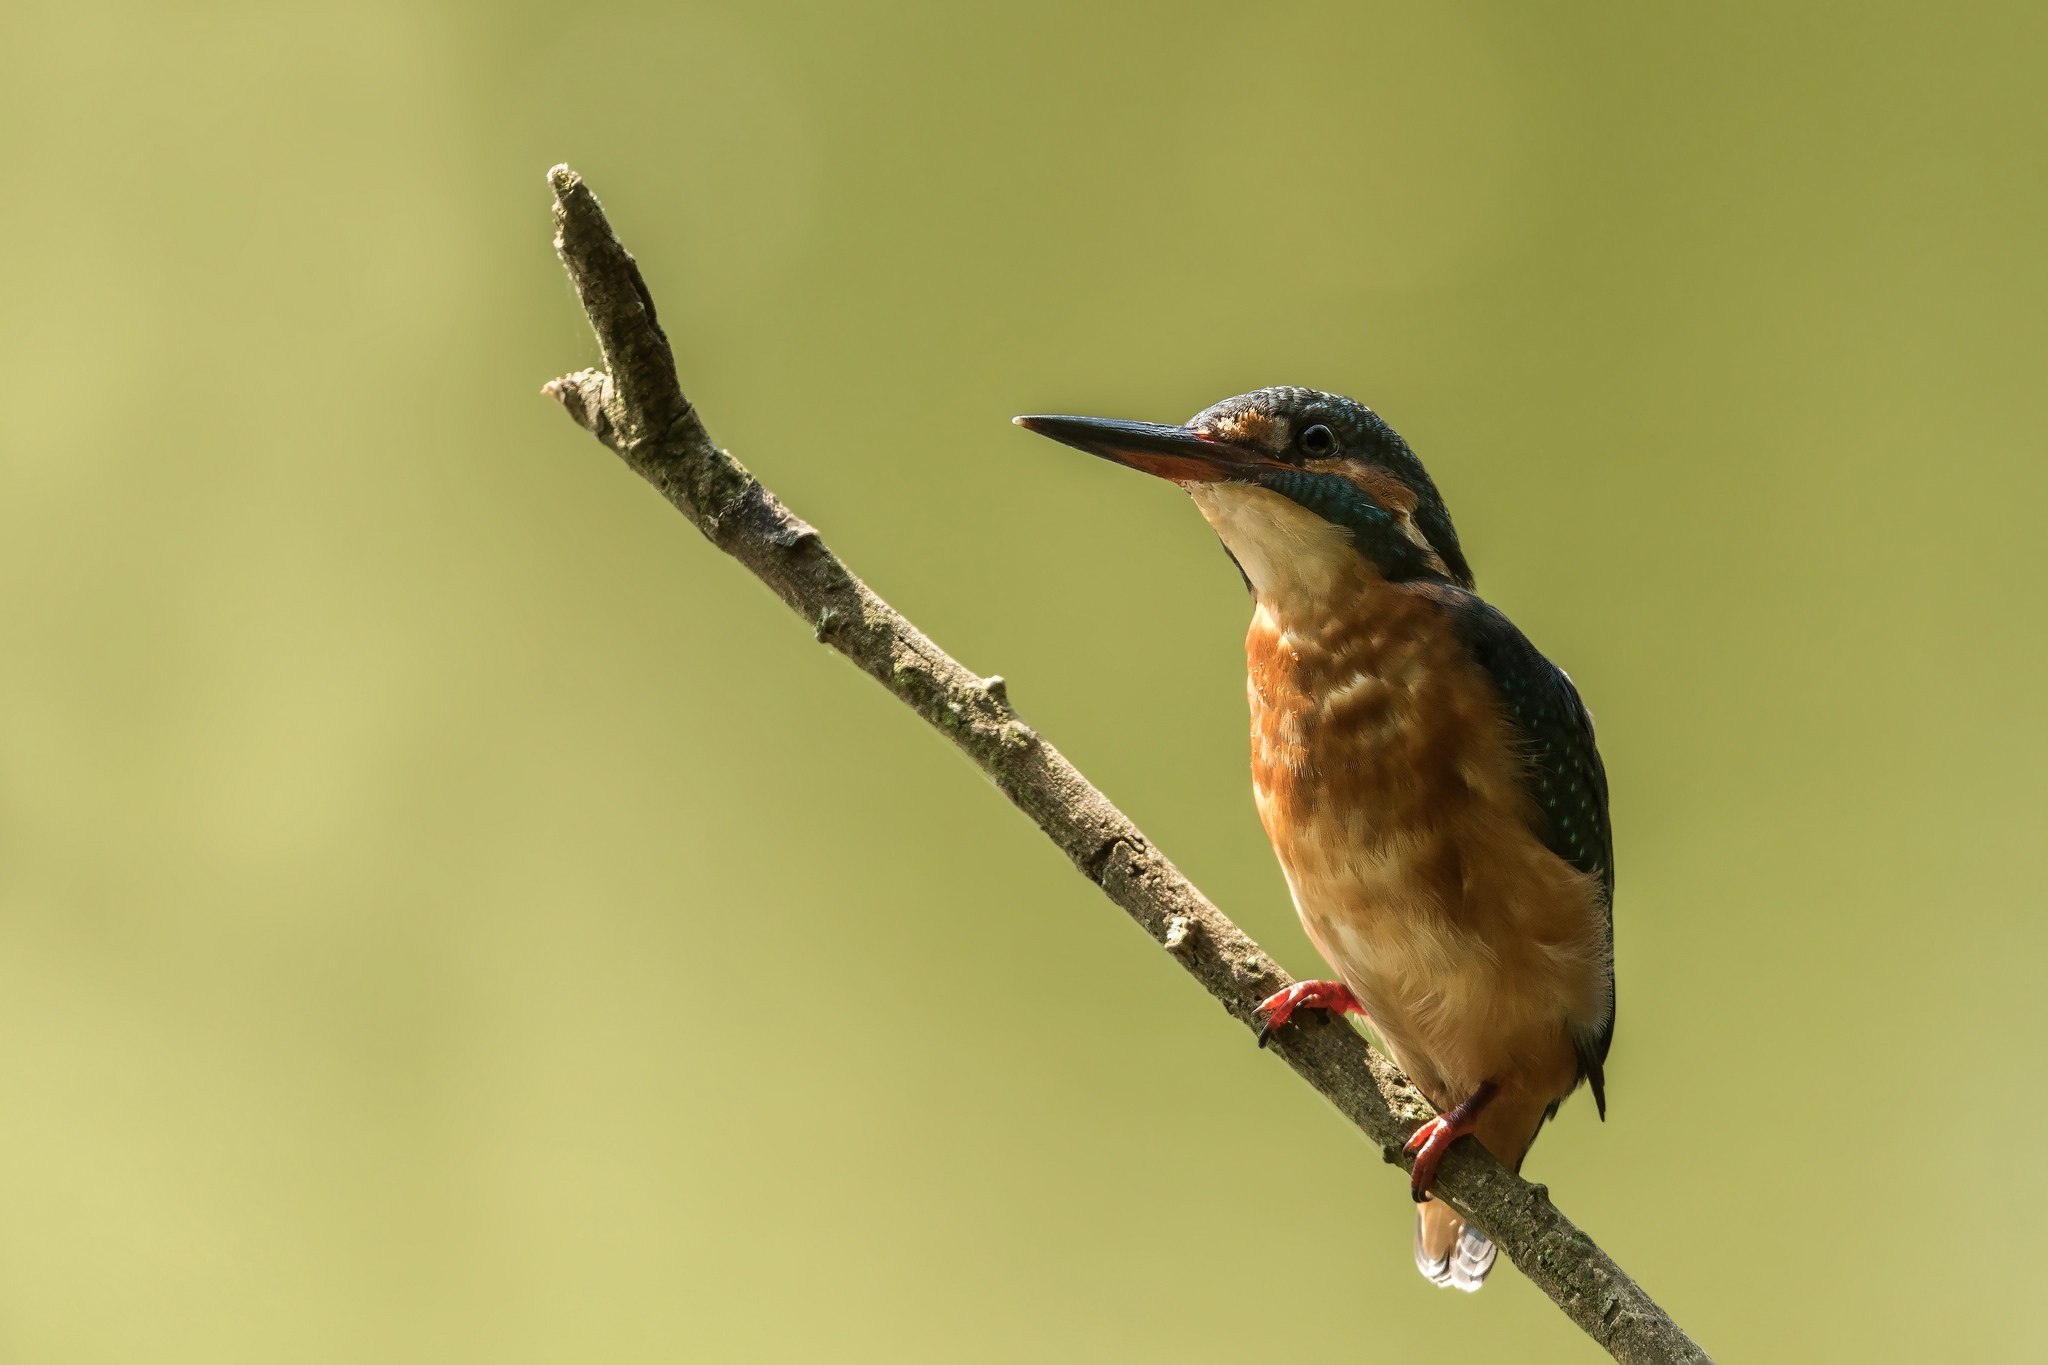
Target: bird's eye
x=1318 y=440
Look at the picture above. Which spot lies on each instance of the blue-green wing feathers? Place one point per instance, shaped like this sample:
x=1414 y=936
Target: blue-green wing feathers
x=1566 y=776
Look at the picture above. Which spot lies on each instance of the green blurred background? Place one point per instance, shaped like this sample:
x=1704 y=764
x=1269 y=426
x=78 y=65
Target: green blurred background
x=448 y=912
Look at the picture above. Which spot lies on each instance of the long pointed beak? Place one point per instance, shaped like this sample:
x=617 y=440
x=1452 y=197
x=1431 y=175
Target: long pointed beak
x=1177 y=453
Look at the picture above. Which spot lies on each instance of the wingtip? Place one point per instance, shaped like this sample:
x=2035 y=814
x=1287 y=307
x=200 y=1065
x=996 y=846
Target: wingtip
x=1593 y=1068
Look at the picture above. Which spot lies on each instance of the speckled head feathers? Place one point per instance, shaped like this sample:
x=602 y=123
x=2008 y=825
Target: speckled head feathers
x=1282 y=423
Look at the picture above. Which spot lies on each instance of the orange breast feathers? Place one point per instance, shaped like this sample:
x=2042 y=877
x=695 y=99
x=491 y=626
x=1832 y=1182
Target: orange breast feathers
x=1395 y=794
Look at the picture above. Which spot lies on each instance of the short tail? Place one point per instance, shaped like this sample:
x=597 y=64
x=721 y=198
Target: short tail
x=1447 y=1252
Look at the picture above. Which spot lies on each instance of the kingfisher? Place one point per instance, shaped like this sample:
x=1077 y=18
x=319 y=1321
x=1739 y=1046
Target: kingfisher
x=1428 y=779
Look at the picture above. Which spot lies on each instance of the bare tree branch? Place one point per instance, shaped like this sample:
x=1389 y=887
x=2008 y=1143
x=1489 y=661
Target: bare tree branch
x=636 y=406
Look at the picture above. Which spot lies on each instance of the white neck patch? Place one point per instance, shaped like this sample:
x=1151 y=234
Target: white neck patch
x=1295 y=560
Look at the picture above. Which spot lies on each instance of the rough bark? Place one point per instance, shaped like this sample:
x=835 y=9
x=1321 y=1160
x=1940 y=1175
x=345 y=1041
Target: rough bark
x=635 y=405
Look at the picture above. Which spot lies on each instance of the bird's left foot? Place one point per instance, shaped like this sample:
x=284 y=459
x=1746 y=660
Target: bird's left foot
x=1433 y=1139
x=1305 y=995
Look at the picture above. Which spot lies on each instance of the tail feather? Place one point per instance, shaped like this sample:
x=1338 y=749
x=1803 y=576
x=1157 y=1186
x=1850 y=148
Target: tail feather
x=1447 y=1251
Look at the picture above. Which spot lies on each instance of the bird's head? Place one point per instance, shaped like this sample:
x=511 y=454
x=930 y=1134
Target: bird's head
x=1302 y=486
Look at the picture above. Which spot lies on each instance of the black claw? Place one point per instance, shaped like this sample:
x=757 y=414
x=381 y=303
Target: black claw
x=1421 y=1196
x=1265 y=1032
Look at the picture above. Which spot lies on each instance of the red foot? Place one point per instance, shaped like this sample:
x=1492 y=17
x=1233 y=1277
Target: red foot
x=1306 y=995
x=1433 y=1139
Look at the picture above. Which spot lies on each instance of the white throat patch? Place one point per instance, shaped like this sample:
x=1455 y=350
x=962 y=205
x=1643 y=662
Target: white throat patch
x=1293 y=557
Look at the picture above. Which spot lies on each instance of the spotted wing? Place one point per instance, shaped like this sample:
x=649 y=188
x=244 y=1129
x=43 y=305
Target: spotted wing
x=1566 y=776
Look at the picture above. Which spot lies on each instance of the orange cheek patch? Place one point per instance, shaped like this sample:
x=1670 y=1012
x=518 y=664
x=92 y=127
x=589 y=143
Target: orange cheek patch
x=1392 y=494
x=1250 y=428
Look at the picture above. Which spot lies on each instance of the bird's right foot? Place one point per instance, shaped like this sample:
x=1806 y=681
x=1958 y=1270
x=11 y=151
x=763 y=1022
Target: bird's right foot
x=1429 y=1142
x=1305 y=995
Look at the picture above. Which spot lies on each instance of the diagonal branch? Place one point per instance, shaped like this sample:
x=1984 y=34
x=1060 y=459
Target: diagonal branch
x=636 y=406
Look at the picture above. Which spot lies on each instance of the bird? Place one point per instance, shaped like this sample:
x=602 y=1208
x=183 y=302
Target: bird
x=1428 y=779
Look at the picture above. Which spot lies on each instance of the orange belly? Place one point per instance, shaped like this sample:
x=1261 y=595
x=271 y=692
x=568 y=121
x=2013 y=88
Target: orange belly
x=1393 y=790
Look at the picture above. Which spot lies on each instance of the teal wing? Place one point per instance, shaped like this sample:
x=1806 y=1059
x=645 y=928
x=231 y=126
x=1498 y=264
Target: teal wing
x=1566 y=776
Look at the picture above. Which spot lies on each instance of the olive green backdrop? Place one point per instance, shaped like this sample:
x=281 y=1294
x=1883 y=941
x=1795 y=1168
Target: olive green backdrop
x=449 y=913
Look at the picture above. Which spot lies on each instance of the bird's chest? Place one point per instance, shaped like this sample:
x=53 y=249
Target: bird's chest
x=1388 y=784
x=1370 y=728
x=1396 y=793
